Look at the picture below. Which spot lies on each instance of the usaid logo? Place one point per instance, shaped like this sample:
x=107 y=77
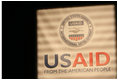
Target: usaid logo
x=76 y=30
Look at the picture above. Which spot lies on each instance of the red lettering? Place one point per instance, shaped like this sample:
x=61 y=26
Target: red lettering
x=82 y=60
x=98 y=58
x=90 y=59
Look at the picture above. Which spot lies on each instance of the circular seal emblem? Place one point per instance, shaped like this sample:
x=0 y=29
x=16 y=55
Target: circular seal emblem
x=76 y=30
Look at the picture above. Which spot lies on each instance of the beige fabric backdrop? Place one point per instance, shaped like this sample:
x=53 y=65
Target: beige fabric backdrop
x=103 y=40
